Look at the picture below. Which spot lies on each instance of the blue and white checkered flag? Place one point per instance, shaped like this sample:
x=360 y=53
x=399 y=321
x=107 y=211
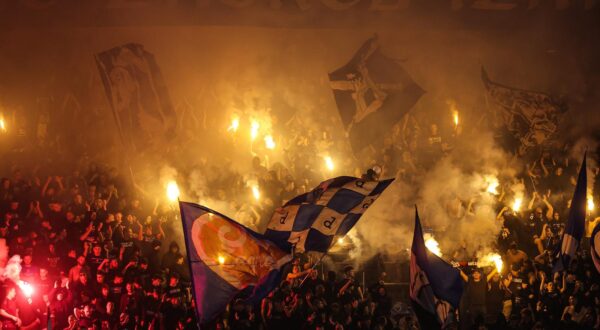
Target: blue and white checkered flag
x=311 y=221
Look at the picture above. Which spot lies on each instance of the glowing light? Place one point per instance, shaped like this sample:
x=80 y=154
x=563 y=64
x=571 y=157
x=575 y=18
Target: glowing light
x=269 y=143
x=455 y=116
x=2 y=125
x=492 y=259
x=26 y=288
x=254 y=126
x=329 y=163
x=256 y=192
x=340 y=240
x=172 y=191
x=517 y=204
x=432 y=245
x=235 y=124
x=590 y=203
x=221 y=260
x=492 y=185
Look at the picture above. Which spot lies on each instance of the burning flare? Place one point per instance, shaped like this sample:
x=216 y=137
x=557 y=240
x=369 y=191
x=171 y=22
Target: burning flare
x=256 y=192
x=493 y=184
x=221 y=259
x=2 y=125
x=235 y=124
x=590 y=203
x=26 y=288
x=492 y=259
x=517 y=204
x=269 y=142
x=455 y=116
x=254 y=126
x=172 y=191
x=432 y=245
x=329 y=163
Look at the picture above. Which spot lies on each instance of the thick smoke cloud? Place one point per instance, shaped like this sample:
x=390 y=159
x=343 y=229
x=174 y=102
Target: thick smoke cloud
x=279 y=77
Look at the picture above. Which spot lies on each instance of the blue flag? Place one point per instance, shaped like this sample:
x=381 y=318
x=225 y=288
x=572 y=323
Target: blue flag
x=575 y=222
x=226 y=258
x=372 y=92
x=435 y=286
x=311 y=221
x=595 y=246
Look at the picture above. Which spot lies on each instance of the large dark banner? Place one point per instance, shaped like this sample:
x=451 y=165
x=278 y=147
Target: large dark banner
x=137 y=94
x=531 y=117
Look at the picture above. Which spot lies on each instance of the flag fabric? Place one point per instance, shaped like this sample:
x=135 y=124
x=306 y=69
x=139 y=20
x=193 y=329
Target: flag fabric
x=595 y=246
x=226 y=258
x=575 y=222
x=530 y=117
x=309 y=222
x=372 y=92
x=435 y=286
x=137 y=93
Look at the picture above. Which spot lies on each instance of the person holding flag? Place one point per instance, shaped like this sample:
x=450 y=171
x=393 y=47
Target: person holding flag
x=575 y=223
x=435 y=286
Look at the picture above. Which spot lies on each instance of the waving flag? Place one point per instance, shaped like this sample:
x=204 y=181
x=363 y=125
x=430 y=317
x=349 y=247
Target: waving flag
x=531 y=117
x=372 y=92
x=226 y=258
x=595 y=246
x=311 y=221
x=575 y=222
x=435 y=286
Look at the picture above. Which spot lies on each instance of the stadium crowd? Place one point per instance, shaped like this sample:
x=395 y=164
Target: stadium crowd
x=99 y=256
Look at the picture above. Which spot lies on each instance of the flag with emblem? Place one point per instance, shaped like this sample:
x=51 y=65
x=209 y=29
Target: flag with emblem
x=527 y=118
x=372 y=92
x=435 y=286
x=575 y=222
x=226 y=258
x=311 y=221
x=595 y=246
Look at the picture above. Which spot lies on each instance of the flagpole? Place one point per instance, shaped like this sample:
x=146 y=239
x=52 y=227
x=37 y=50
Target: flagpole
x=314 y=266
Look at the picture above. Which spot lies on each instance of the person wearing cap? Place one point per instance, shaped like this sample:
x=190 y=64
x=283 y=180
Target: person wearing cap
x=473 y=304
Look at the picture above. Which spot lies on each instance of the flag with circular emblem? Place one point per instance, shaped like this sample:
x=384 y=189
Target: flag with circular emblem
x=225 y=258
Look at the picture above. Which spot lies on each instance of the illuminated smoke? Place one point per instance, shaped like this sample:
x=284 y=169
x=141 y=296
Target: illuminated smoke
x=235 y=124
x=329 y=163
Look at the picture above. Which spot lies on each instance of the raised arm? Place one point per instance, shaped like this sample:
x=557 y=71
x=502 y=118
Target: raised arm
x=491 y=274
x=544 y=169
x=550 y=211
x=532 y=201
x=499 y=216
x=463 y=275
x=45 y=187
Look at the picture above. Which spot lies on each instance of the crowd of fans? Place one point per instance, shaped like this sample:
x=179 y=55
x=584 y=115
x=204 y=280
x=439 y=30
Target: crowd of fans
x=531 y=292
x=101 y=254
